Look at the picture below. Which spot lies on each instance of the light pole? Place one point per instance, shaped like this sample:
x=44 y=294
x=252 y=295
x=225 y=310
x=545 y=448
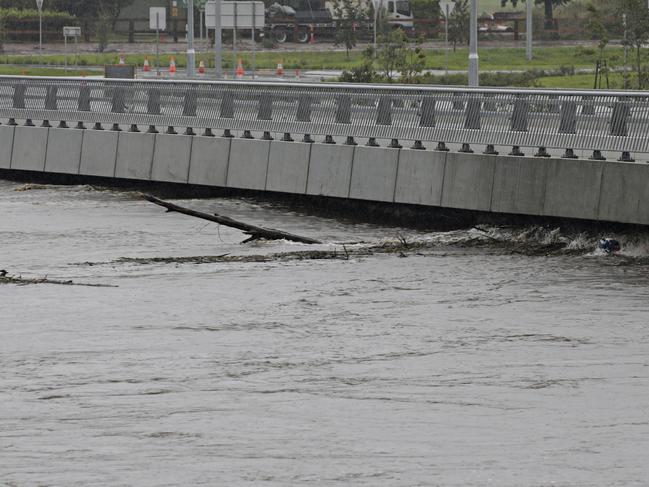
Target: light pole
x=218 y=45
x=447 y=8
x=377 y=7
x=191 y=60
x=528 y=30
x=474 y=79
x=39 y=5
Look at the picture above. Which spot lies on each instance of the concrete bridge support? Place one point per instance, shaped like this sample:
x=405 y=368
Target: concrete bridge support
x=585 y=189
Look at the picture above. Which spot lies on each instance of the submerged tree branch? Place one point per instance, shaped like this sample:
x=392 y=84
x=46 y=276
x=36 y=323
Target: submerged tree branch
x=255 y=232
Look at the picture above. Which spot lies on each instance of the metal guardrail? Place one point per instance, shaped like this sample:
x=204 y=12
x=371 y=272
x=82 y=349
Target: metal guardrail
x=560 y=119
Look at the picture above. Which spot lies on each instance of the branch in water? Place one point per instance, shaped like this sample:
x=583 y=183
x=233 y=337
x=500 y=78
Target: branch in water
x=255 y=232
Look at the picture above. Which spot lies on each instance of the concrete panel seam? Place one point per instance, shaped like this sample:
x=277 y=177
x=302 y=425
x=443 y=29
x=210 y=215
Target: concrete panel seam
x=47 y=143
x=396 y=177
x=152 y=157
x=308 y=168
x=351 y=172
x=155 y=145
x=267 y=164
x=441 y=193
x=227 y=168
x=115 y=155
x=83 y=136
x=119 y=136
x=599 y=193
x=13 y=146
x=493 y=179
x=545 y=188
x=189 y=163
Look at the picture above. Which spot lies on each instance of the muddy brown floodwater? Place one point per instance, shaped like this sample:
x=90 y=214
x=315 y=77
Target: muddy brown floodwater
x=459 y=364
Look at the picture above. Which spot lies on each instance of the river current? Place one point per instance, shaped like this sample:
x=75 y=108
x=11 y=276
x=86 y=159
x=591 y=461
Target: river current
x=456 y=363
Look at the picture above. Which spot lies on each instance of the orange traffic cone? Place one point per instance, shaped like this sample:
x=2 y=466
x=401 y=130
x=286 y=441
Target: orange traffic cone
x=172 y=67
x=201 y=68
x=311 y=34
x=121 y=58
x=297 y=73
x=147 y=67
x=280 y=70
x=239 y=72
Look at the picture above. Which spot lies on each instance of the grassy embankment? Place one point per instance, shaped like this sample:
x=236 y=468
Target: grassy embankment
x=547 y=61
x=30 y=71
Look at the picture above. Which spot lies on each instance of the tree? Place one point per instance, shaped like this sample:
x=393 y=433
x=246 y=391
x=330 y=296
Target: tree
x=348 y=14
x=637 y=19
x=80 y=8
x=391 y=53
x=548 y=5
x=427 y=13
x=364 y=72
x=412 y=62
x=458 y=24
x=101 y=13
x=596 y=28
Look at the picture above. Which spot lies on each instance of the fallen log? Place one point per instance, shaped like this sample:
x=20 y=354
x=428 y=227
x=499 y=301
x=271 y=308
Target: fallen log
x=255 y=232
x=23 y=281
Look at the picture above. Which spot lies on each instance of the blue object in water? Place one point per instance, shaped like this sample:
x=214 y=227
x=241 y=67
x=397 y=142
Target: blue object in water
x=609 y=245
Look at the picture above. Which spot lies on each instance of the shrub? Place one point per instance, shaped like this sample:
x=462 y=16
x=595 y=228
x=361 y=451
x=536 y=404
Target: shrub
x=22 y=25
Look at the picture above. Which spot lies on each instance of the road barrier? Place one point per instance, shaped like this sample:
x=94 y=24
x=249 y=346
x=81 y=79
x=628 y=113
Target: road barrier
x=560 y=119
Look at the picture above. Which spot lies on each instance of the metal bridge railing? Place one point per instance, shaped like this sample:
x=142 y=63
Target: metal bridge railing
x=585 y=120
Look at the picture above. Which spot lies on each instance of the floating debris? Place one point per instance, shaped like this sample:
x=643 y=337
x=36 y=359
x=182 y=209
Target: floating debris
x=5 y=278
x=30 y=187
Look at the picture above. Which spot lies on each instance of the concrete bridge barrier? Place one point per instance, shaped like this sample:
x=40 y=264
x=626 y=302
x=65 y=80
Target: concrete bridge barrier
x=361 y=133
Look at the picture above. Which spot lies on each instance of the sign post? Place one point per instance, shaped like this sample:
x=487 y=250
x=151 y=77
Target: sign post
x=71 y=32
x=528 y=31
x=220 y=14
x=234 y=43
x=157 y=22
x=254 y=47
x=191 y=53
x=378 y=5
x=39 y=5
x=474 y=66
x=447 y=9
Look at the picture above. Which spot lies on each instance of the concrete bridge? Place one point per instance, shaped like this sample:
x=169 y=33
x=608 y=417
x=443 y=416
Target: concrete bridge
x=573 y=154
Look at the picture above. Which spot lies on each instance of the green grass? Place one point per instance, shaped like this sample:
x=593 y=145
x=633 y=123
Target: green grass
x=545 y=59
x=490 y=59
x=582 y=81
x=29 y=71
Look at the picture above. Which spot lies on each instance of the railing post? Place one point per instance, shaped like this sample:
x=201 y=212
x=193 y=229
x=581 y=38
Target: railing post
x=344 y=110
x=384 y=111
x=303 y=109
x=50 y=98
x=84 y=99
x=427 y=118
x=118 y=100
x=568 y=124
x=519 y=122
x=265 y=111
x=227 y=110
x=19 y=96
x=619 y=126
x=190 y=102
x=304 y=114
x=472 y=113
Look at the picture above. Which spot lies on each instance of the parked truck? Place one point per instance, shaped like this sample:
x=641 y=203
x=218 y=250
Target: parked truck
x=302 y=20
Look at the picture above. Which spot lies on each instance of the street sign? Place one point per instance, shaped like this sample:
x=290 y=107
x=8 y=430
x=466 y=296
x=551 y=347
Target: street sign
x=71 y=31
x=157 y=18
x=39 y=4
x=244 y=18
x=446 y=7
